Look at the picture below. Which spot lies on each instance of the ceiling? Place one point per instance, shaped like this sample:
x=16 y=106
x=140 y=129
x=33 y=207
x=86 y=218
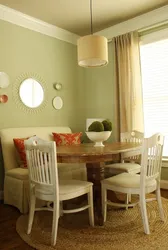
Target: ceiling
x=74 y=15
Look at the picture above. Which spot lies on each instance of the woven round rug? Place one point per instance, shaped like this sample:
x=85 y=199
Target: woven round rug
x=122 y=230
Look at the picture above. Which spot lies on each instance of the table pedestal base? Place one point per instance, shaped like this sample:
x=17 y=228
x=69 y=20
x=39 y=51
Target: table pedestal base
x=95 y=173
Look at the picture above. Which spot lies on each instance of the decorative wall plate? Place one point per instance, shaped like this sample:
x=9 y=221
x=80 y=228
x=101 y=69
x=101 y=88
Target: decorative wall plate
x=4 y=80
x=57 y=102
x=58 y=86
x=3 y=98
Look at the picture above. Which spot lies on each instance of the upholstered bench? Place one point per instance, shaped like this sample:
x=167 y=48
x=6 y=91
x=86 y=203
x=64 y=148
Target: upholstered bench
x=16 y=191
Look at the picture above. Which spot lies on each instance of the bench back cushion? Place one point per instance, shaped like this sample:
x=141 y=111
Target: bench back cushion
x=8 y=134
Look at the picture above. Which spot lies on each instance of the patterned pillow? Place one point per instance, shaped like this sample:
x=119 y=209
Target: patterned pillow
x=20 y=151
x=67 y=139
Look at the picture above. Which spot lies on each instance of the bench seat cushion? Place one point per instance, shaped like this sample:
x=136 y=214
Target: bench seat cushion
x=18 y=173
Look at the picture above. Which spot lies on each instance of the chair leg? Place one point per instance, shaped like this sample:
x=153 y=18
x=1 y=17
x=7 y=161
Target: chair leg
x=61 y=209
x=55 y=223
x=158 y=197
x=31 y=212
x=128 y=200
x=142 y=204
x=90 y=203
x=104 y=202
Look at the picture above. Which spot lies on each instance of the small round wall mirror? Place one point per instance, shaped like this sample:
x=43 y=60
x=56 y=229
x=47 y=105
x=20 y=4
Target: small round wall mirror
x=31 y=93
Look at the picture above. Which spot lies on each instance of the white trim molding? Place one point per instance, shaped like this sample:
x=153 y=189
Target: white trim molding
x=23 y=20
x=1 y=195
x=164 y=163
x=141 y=22
x=154 y=36
x=164 y=184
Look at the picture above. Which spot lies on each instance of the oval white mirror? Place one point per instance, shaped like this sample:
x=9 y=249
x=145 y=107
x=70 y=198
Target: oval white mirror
x=57 y=102
x=31 y=93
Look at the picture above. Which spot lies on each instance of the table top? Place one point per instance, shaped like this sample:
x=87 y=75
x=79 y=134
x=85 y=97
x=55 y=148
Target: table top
x=86 y=152
x=89 y=149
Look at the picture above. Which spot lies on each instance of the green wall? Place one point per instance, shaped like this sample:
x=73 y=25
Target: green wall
x=23 y=51
x=86 y=93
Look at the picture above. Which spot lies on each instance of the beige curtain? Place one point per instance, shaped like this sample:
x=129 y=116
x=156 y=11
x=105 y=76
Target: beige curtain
x=129 y=108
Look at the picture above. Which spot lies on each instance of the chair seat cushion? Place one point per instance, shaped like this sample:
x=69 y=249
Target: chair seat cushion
x=118 y=168
x=64 y=169
x=126 y=180
x=18 y=173
x=71 y=186
x=66 y=188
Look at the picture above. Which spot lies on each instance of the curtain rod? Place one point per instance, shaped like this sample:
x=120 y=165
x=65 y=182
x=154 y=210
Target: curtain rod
x=150 y=29
x=153 y=28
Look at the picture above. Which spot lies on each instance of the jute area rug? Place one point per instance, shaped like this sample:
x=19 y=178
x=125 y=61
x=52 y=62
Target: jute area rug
x=122 y=231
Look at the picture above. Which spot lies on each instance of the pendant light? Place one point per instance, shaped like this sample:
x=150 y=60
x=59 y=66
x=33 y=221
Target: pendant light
x=92 y=49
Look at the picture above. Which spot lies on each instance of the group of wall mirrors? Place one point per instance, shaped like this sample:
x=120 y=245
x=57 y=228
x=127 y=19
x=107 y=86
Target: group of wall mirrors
x=4 y=83
x=30 y=91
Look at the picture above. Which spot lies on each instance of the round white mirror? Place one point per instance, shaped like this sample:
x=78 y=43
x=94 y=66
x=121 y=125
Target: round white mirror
x=57 y=102
x=31 y=93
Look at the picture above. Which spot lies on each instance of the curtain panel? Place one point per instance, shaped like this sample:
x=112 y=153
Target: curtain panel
x=128 y=85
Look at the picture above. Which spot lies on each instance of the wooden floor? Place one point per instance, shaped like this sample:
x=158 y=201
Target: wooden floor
x=9 y=239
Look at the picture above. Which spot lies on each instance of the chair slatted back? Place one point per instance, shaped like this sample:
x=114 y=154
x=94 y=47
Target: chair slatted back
x=42 y=162
x=135 y=137
x=152 y=157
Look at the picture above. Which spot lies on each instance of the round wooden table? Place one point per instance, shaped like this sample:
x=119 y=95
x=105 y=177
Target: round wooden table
x=95 y=158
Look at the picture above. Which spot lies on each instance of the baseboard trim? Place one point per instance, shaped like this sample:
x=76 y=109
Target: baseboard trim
x=164 y=184
x=1 y=195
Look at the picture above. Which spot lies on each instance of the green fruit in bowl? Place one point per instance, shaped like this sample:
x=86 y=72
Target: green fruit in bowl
x=96 y=127
x=107 y=125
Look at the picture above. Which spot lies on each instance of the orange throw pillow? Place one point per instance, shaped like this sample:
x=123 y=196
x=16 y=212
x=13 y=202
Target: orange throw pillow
x=67 y=139
x=21 y=154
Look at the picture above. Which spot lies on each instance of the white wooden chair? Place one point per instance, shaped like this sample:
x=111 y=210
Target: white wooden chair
x=147 y=182
x=130 y=157
x=44 y=184
x=130 y=166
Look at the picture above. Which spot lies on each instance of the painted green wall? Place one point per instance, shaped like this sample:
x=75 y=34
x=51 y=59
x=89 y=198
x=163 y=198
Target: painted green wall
x=22 y=51
x=87 y=93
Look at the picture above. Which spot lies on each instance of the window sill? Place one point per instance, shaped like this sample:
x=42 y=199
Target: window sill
x=165 y=162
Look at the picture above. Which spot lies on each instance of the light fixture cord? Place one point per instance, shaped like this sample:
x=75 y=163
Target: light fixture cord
x=91 y=28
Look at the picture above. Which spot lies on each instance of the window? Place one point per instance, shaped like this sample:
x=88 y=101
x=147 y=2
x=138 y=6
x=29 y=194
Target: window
x=154 y=67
